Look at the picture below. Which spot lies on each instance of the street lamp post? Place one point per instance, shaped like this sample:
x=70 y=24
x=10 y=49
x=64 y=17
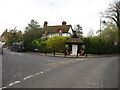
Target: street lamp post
x=101 y=30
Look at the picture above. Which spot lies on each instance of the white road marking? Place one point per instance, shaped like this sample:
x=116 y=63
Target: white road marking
x=45 y=70
x=16 y=53
x=11 y=84
x=3 y=88
x=37 y=73
x=48 y=60
x=20 y=54
x=48 y=69
x=31 y=76
x=26 y=77
x=41 y=72
x=63 y=62
x=81 y=59
x=17 y=82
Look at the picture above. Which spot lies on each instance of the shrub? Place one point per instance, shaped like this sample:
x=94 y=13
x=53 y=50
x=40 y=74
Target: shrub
x=39 y=44
x=95 y=45
x=56 y=43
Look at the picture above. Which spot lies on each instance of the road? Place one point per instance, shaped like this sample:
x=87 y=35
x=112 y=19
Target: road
x=32 y=70
x=0 y=70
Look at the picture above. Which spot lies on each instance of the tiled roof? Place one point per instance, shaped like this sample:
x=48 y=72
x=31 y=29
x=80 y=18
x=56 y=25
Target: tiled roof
x=74 y=40
x=55 y=29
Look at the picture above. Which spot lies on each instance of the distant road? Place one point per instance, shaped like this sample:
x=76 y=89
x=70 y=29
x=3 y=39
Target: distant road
x=110 y=76
x=29 y=70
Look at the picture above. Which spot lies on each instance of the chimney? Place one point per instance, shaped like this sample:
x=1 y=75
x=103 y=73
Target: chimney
x=45 y=23
x=63 y=23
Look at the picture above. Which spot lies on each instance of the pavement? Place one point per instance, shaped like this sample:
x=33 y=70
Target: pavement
x=75 y=56
x=79 y=56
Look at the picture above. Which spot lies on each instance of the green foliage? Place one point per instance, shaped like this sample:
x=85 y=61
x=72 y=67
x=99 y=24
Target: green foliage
x=56 y=43
x=111 y=34
x=113 y=13
x=33 y=25
x=110 y=31
x=97 y=45
x=39 y=44
x=32 y=32
x=78 y=30
x=12 y=36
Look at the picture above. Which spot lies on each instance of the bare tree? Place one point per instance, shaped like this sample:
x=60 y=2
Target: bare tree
x=113 y=13
x=90 y=33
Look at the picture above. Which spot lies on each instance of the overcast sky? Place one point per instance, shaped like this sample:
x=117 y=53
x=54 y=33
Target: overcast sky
x=20 y=12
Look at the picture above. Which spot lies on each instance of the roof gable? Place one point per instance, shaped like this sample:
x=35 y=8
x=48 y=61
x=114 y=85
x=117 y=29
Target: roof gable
x=74 y=40
x=56 y=29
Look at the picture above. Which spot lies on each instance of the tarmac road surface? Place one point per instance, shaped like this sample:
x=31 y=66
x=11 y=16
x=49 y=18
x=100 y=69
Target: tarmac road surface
x=29 y=70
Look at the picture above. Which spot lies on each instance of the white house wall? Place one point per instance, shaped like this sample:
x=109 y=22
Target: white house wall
x=65 y=34
x=57 y=34
x=70 y=31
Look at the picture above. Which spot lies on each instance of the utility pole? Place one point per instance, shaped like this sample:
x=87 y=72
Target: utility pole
x=15 y=28
x=100 y=30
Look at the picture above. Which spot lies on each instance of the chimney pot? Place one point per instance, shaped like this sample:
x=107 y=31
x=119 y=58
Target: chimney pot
x=63 y=23
x=45 y=23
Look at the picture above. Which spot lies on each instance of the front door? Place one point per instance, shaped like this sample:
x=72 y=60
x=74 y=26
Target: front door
x=74 y=49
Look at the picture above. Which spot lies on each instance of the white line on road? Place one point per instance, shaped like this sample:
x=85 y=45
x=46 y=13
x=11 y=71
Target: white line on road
x=81 y=59
x=48 y=69
x=26 y=77
x=31 y=76
x=3 y=88
x=37 y=73
x=41 y=72
x=16 y=53
x=11 y=84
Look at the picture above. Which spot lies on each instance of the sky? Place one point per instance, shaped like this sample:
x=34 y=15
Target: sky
x=20 y=12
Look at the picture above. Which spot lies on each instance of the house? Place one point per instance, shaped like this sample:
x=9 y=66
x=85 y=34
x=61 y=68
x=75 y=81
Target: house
x=58 y=30
x=2 y=37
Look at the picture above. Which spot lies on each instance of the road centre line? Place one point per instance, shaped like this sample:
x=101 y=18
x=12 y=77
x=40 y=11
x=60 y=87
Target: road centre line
x=31 y=76
x=28 y=77
x=3 y=88
x=81 y=59
x=16 y=53
x=11 y=84
x=41 y=72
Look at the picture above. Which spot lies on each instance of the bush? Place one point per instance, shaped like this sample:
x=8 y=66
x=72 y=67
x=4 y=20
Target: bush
x=95 y=45
x=56 y=43
x=39 y=44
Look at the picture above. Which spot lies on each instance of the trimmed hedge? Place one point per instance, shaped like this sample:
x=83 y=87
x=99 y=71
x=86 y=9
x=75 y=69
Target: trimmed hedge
x=56 y=43
x=97 y=45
